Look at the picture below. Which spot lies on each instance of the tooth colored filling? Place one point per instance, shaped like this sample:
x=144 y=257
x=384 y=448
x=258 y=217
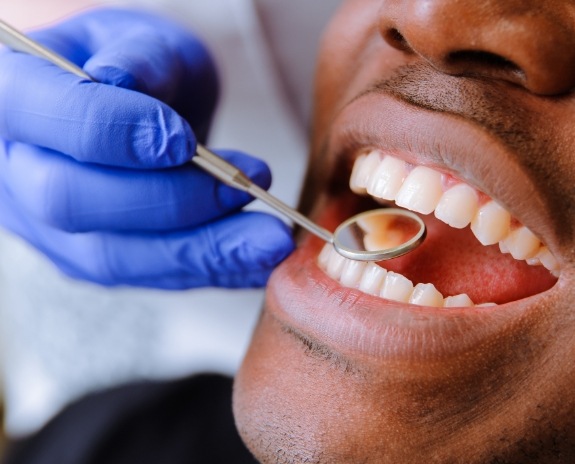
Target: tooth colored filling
x=457 y=205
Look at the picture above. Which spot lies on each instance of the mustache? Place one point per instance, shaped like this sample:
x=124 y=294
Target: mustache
x=485 y=102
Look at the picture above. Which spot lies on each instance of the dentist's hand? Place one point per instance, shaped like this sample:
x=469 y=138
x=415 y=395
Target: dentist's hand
x=96 y=175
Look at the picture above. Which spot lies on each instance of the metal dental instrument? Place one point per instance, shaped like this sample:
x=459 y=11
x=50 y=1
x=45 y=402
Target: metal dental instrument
x=370 y=236
x=360 y=238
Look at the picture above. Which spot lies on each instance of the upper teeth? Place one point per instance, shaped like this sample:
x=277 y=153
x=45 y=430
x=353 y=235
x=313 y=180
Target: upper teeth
x=424 y=190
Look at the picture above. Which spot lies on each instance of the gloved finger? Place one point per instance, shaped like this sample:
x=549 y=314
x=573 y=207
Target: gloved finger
x=45 y=106
x=80 y=197
x=142 y=52
x=187 y=83
x=236 y=251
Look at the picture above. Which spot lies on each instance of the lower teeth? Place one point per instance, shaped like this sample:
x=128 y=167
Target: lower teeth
x=374 y=280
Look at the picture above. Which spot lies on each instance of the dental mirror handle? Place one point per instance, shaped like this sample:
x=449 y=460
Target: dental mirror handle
x=229 y=174
x=18 y=42
x=204 y=158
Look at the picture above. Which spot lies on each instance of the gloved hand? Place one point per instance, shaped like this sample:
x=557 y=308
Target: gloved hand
x=96 y=175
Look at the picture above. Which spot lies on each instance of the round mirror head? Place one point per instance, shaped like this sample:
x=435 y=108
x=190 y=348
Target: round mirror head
x=379 y=234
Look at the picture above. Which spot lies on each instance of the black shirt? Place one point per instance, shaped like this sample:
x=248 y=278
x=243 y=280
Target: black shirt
x=182 y=422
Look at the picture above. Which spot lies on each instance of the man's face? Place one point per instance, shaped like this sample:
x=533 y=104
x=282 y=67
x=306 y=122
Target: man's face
x=461 y=109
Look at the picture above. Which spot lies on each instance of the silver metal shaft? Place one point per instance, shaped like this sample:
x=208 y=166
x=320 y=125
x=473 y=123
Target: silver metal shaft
x=233 y=176
x=17 y=41
x=206 y=159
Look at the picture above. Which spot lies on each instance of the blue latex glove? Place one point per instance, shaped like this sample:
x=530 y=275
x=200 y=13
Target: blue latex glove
x=96 y=175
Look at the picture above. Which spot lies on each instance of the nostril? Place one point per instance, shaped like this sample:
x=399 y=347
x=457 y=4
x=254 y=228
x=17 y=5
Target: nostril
x=397 y=40
x=478 y=62
x=482 y=58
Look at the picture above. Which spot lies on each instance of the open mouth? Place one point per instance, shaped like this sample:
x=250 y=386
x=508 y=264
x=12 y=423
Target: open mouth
x=463 y=222
x=475 y=254
x=436 y=301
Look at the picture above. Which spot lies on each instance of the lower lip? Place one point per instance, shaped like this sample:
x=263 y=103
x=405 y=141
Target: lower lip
x=351 y=323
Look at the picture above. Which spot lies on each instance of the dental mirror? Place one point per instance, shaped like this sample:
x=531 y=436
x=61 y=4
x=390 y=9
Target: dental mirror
x=370 y=236
x=379 y=234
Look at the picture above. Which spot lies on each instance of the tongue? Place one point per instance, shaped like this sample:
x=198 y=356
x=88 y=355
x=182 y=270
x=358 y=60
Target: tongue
x=455 y=262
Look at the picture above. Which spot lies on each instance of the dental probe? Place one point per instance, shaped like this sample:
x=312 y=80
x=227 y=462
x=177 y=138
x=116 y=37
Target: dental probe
x=353 y=239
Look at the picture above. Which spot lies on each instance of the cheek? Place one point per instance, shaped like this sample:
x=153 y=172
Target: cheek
x=353 y=57
x=341 y=53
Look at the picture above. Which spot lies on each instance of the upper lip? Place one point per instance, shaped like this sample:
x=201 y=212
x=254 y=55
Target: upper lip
x=448 y=143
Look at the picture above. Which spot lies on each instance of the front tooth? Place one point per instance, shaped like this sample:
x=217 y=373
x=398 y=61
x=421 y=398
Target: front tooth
x=457 y=206
x=372 y=279
x=387 y=179
x=421 y=190
x=397 y=288
x=458 y=301
x=335 y=264
x=426 y=295
x=363 y=168
x=491 y=223
x=352 y=272
x=522 y=243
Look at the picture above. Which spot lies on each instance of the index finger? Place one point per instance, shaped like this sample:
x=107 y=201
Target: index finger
x=43 y=105
x=143 y=52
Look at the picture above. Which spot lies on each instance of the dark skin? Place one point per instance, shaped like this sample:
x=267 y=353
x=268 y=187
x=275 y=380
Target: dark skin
x=333 y=376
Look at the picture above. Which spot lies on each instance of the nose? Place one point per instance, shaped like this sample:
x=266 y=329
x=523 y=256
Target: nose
x=530 y=43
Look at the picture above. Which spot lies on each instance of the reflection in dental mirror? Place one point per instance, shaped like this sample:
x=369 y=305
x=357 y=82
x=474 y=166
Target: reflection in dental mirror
x=379 y=234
